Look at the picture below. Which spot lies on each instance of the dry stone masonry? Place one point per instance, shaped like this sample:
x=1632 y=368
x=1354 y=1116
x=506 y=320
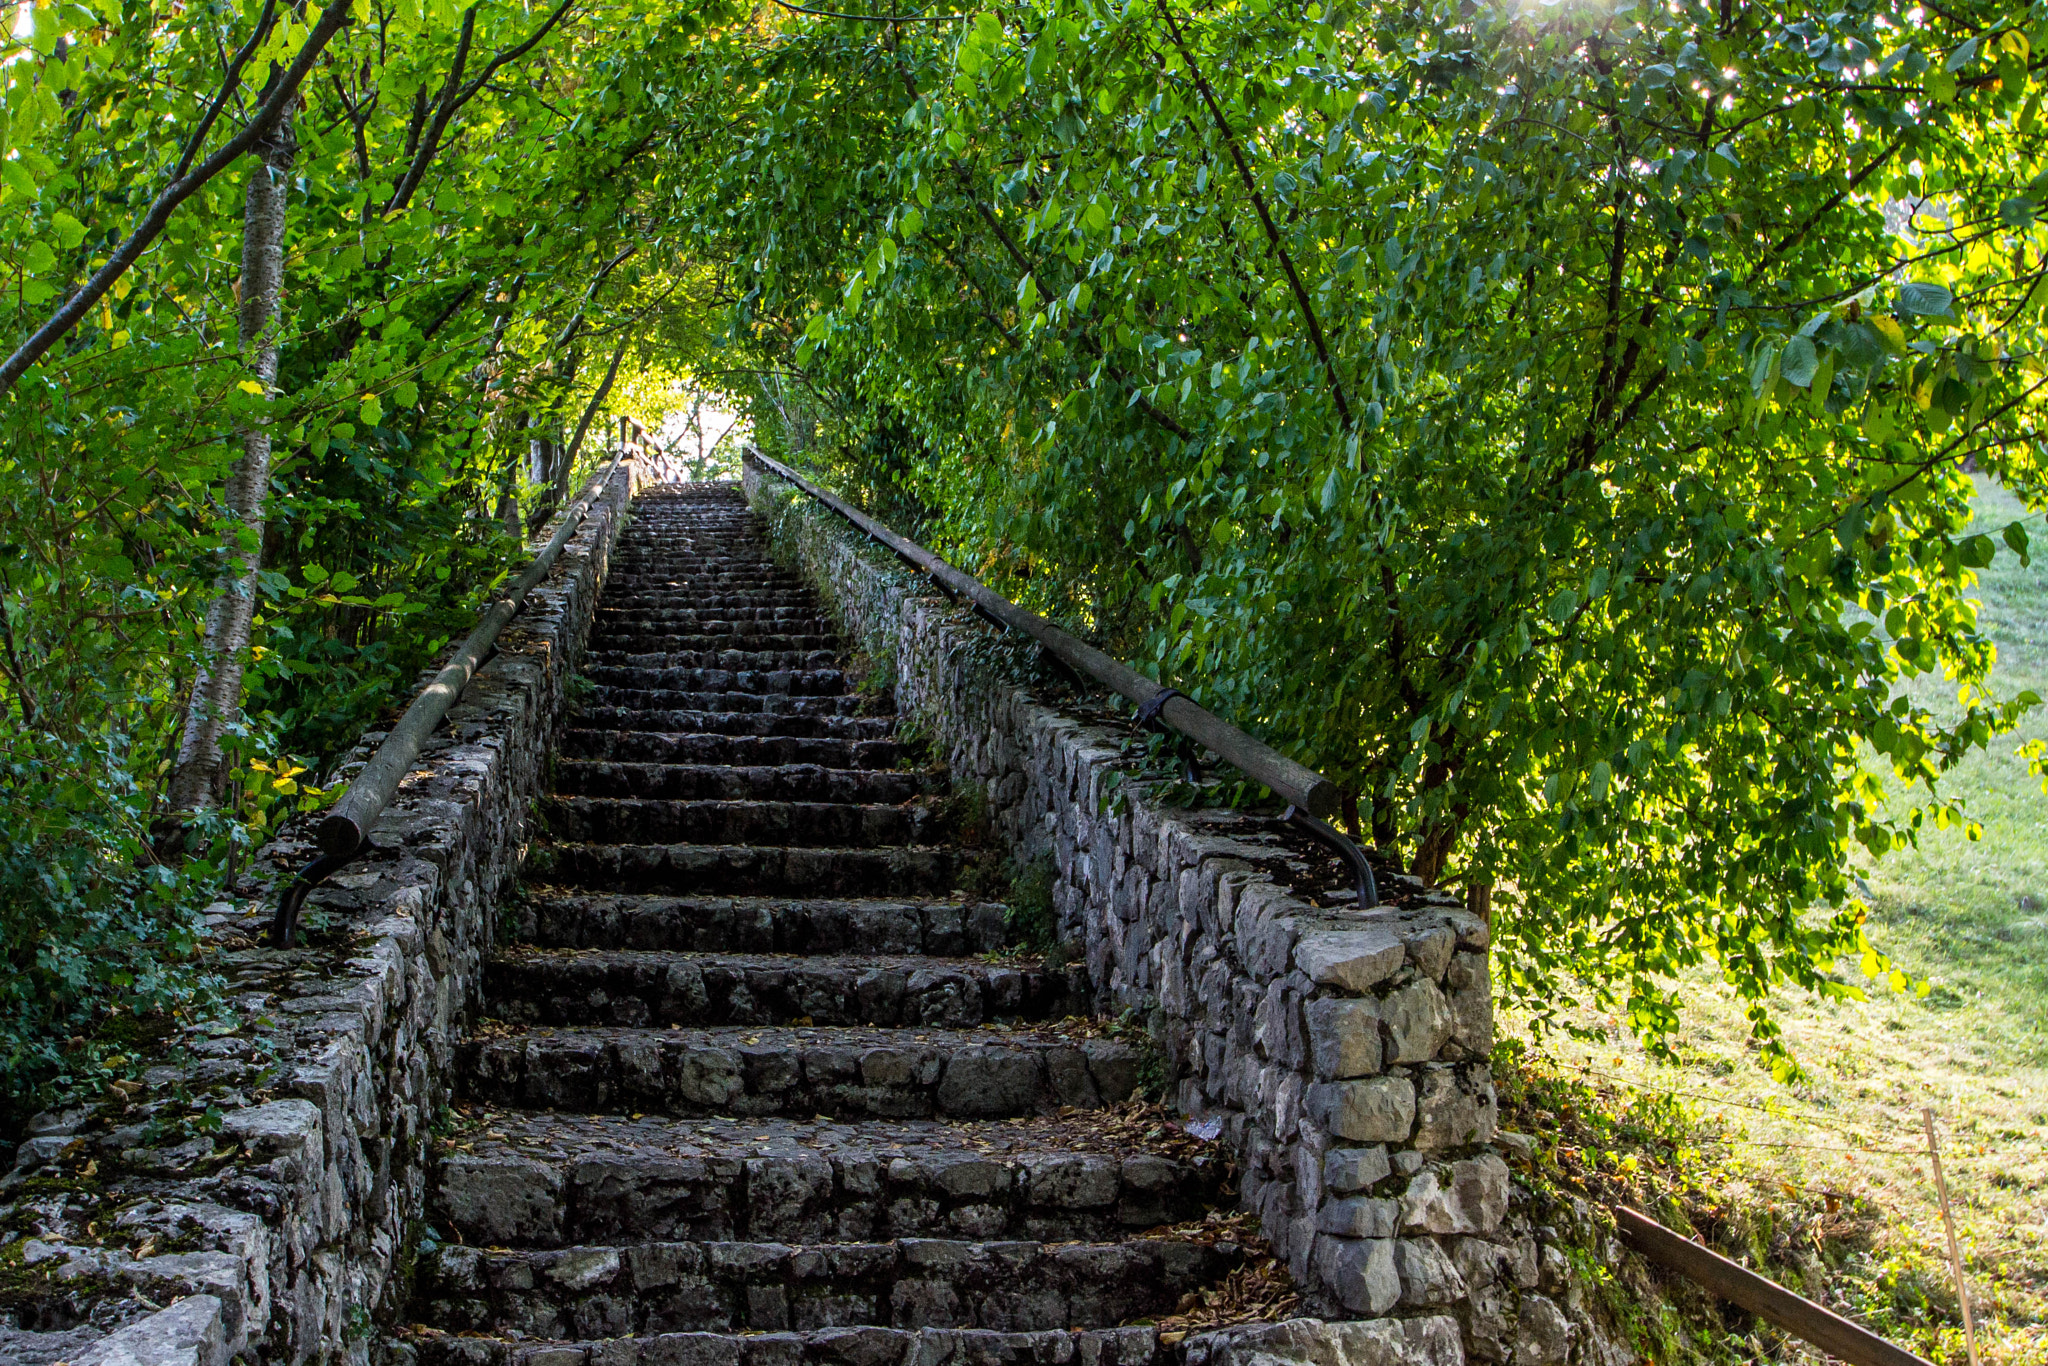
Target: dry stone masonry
x=1344 y=1054
x=258 y=1195
x=737 y=1099
x=657 y=1030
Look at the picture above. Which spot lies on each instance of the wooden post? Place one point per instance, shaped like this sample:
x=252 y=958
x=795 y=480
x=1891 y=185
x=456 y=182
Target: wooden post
x=1766 y=1299
x=1955 y=1251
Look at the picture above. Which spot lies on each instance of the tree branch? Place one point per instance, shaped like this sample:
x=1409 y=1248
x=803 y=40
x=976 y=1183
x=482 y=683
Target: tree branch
x=332 y=21
x=444 y=110
x=230 y=80
x=873 y=18
x=1251 y=185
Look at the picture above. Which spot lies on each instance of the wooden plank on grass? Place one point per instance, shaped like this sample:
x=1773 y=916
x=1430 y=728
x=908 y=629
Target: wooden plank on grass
x=1766 y=1299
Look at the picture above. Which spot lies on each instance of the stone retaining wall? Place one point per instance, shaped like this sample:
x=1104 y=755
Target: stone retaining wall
x=260 y=1193
x=1344 y=1053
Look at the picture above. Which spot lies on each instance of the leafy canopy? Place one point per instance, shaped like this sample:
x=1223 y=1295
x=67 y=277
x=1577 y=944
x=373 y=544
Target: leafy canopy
x=473 y=229
x=1550 y=420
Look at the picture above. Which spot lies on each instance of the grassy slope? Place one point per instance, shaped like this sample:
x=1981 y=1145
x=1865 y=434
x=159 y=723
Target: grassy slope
x=1973 y=918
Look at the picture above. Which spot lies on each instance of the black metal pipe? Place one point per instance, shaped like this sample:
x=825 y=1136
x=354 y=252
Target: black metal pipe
x=1368 y=885
x=345 y=830
x=1293 y=783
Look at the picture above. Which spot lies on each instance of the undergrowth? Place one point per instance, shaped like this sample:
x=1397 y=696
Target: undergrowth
x=1596 y=1145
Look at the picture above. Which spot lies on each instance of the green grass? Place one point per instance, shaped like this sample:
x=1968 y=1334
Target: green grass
x=1971 y=916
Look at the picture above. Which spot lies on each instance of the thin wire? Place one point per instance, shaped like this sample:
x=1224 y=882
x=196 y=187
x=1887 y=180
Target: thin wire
x=873 y=18
x=1694 y=1095
x=1813 y=1147
x=1747 y=1105
x=1718 y=1140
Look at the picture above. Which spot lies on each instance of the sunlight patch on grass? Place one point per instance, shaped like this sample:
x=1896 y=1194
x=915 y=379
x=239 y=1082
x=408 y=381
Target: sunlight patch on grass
x=1972 y=918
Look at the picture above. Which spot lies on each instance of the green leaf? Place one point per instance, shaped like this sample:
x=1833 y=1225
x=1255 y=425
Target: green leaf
x=1798 y=362
x=1925 y=299
x=70 y=232
x=371 y=412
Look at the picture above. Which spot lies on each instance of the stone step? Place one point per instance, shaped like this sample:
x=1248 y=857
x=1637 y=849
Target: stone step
x=772 y=1070
x=615 y=608
x=680 y=720
x=632 y=608
x=512 y=1179
x=735 y=751
x=637 y=987
x=806 y=682
x=667 y=820
x=682 y=580
x=748 y=782
x=756 y=637
x=723 y=1287
x=733 y=523
x=728 y=619
x=785 y=633
x=749 y=870
x=870 y=1346
x=706 y=552
x=805 y=925
x=779 y=704
x=738 y=657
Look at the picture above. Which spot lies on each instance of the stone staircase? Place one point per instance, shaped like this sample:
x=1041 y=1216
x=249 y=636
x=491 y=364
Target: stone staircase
x=756 y=1084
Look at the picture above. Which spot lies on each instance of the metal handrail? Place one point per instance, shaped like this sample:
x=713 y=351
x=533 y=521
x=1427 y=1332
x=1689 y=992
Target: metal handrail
x=1308 y=794
x=345 y=831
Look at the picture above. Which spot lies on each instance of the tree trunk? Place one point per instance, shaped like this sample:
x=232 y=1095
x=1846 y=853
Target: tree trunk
x=200 y=777
x=575 y=447
x=492 y=370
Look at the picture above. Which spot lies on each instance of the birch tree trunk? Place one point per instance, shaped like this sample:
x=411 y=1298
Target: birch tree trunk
x=200 y=776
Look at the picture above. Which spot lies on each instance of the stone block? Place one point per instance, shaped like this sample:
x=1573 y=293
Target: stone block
x=1269 y=1022
x=1114 y=1067
x=1430 y=947
x=191 y=1332
x=1455 y=1110
x=708 y=1077
x=1355 y=1169
x=1359 y=1272
x=1543 y=1335
x=990 y=1081
x=1418 y=1020
x=1358 y=1216
x=1343 y=1037
x=1373 y=1342
x=1368 y=1110
x=502 y=1200
x=1471 y=1197
x=1352 y=960
x=1432 y=1341
x=1428 y=1276
x=1470 y=991
x=1073 y=1182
